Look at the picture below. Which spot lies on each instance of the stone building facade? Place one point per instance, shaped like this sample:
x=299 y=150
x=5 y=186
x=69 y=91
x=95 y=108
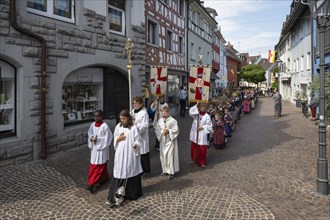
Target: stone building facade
x=85 y=70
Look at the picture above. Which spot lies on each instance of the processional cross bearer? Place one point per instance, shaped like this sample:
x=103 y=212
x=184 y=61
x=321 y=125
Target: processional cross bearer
x=128 y=49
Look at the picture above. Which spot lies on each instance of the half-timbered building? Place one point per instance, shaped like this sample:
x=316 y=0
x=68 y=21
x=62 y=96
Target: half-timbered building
x=166 y=42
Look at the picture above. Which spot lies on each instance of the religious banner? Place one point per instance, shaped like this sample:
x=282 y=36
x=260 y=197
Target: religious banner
x=199 y=83
x=158 y=80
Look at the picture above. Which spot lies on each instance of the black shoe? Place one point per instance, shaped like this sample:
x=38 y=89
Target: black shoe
x=92 y=189
x=111 y=204
x=170 y=176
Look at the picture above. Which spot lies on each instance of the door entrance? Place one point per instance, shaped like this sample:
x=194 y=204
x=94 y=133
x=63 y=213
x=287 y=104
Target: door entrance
x=115 y=93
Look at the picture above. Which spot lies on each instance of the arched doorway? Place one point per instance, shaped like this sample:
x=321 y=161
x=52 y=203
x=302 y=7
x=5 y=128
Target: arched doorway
x=115 y=92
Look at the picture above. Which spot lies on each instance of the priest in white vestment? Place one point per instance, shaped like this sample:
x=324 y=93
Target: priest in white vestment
x=167 y=131
x=99 y=139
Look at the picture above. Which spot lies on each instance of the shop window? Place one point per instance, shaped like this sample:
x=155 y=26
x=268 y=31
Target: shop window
x=7 y=99
x=57 y=9
x=116 y=13
x=82 y=94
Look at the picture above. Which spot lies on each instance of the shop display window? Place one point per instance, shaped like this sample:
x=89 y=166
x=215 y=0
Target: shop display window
x=82 y=94
x=7 y=99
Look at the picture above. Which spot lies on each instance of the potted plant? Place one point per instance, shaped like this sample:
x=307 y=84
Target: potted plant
x=297 y=99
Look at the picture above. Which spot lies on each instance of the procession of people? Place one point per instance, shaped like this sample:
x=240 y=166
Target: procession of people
x=213 y=122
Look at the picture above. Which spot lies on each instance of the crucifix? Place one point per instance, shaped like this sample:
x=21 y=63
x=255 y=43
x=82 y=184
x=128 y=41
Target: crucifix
x=128 y=49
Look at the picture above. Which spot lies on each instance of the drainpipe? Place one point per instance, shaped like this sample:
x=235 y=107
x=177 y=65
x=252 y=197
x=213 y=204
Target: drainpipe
x=43 y=90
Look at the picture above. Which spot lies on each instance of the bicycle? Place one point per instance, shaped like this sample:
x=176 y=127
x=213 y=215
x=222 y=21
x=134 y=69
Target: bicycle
x=304 y=109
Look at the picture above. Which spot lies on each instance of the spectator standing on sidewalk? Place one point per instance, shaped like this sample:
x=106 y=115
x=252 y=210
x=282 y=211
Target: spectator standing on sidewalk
x=201 y=127
x=141 y=120
x=313 y=105
x=277 y=104
x=156 y=107
x=167 y=131
x=127 y=168
x=99 y=139
x=183 y=101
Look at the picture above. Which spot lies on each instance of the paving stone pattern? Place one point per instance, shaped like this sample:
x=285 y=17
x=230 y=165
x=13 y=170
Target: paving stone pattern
x=266 y=171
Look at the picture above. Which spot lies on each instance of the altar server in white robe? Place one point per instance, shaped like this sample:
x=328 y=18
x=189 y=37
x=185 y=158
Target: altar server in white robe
x=200 y=128
x=141 y=120
x=167 y=131
x=127 y=168
x=157 y=107
x=99 y=139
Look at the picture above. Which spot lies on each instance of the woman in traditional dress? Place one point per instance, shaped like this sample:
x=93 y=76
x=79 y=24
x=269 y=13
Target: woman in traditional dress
x=228 y=122
x=218 y=131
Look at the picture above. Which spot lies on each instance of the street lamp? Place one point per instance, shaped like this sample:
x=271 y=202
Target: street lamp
x=279 y=65
x=320 y=10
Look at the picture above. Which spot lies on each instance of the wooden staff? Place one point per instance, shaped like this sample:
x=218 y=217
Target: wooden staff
x=197 y=128
x=164 y=140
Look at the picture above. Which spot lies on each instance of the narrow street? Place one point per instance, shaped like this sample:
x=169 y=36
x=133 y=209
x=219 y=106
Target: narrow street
x=266 y=171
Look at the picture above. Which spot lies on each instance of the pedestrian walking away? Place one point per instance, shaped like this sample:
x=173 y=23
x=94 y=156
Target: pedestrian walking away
x=127 y=170
x=183 y=101
x=99 y=139
x=201 y=127
x=167 y=131
x=141 y=120
x=277 y=104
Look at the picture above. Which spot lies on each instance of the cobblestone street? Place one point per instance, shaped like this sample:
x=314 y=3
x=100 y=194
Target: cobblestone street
x=266 y=171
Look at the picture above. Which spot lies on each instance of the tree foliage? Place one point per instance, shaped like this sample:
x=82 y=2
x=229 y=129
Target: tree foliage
x=275 y=83
x=315 y=86
x=253 y=73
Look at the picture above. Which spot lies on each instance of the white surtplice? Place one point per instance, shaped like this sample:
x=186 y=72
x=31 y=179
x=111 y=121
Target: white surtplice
x=204 y=121
x=141 y=120
x=127 y=162
x=100 y=149
x=168 y=144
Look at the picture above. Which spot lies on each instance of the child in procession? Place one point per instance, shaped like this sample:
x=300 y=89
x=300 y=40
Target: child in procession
x=141 y=120
x=99 y=139
x=127 y=168
x=167 y=131
x=201 y=127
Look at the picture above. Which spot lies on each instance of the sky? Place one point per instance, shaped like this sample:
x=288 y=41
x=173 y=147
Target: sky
x=252 y=26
